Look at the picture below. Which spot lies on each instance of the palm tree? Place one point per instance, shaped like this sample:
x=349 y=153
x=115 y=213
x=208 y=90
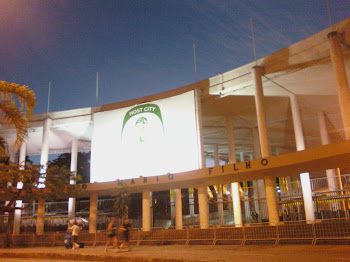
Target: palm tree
x=17 y=103
x=16 y=106
x=121 y=203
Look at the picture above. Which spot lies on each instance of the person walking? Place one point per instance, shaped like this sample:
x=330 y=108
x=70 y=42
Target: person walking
x=125 y=228
x=68 y=237
x=112 y=234
x=75 y=233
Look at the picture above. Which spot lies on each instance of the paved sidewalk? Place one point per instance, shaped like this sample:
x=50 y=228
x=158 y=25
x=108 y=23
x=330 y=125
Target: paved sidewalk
x=176 y=253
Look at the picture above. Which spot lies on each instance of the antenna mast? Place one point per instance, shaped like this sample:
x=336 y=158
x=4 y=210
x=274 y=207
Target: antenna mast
x=194 y=60
x=48 y=98
x=96 y=88
x=329 y=13
x=252 y=30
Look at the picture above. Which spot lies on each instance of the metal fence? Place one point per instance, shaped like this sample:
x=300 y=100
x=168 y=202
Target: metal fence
x=327 y=204
x=286 y=232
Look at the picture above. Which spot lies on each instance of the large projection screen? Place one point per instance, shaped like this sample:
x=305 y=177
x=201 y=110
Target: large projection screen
x=149 y=139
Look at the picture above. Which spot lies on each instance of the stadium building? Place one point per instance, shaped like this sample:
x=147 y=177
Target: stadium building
x=265 y=142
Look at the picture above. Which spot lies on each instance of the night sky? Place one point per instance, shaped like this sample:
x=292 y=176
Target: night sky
x=141 y=47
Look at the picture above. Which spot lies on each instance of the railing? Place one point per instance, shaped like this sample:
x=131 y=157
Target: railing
x=260 y=232
x=322 y=183
x=286 y=232
x=300 y=230
x=201 y=236
x=317 y=185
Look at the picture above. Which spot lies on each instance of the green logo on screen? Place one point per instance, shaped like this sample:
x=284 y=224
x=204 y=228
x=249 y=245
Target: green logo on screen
x=141 y=121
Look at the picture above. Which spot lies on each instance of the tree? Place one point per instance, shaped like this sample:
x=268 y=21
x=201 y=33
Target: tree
x=11 y=175
x=16 y=182
x=83 y=164
x=16 y=106
x=121 y=203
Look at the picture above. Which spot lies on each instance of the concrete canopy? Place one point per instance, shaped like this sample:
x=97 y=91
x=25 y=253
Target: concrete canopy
x=303 y=69
x=66 y=126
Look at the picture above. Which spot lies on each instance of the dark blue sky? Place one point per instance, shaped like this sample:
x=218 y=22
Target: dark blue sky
x=142 y=47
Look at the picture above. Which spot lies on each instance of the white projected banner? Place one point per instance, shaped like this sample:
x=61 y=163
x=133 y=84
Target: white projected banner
x=150 y=139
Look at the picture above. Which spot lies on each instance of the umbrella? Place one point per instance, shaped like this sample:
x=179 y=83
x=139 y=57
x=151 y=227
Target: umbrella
x=79 y=220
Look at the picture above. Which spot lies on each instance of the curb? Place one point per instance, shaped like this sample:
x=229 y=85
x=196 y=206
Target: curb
x=83 y=257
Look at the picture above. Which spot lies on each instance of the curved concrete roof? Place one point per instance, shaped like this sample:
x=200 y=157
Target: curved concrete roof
x=303 y=69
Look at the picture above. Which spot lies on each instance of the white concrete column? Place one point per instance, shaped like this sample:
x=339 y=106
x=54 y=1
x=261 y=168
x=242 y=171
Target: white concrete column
x=219 y=187
x=45 y=150
x=256 y=143
x=229 y=196
x=178 y=209
x=93 y=213
x=151 y=207
x=146 y=211
x=258 y=185
x=220 y=204
x=298 y=128
x=300 y=145
x=247 y=206
x=17 y=218
x=191 y=201
x=45 y=143
x=73 y=169
x=257 y=154
x=241 y=156
x=172 y=207
x=271 y=200
x=246 y=194
x=230 y=140
x=74 y=158
x=237 y=211
x=203 y=207
x=341 y=79
x=22 y=155
x=40 y=220
x=256 y=192
x=259 y=103
x=21 y=162
x=331 y=173
x=236 y=200
x=270 y=184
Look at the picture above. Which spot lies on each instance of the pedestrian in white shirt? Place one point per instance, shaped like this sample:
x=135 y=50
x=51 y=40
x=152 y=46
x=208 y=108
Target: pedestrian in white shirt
x=75 y=233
